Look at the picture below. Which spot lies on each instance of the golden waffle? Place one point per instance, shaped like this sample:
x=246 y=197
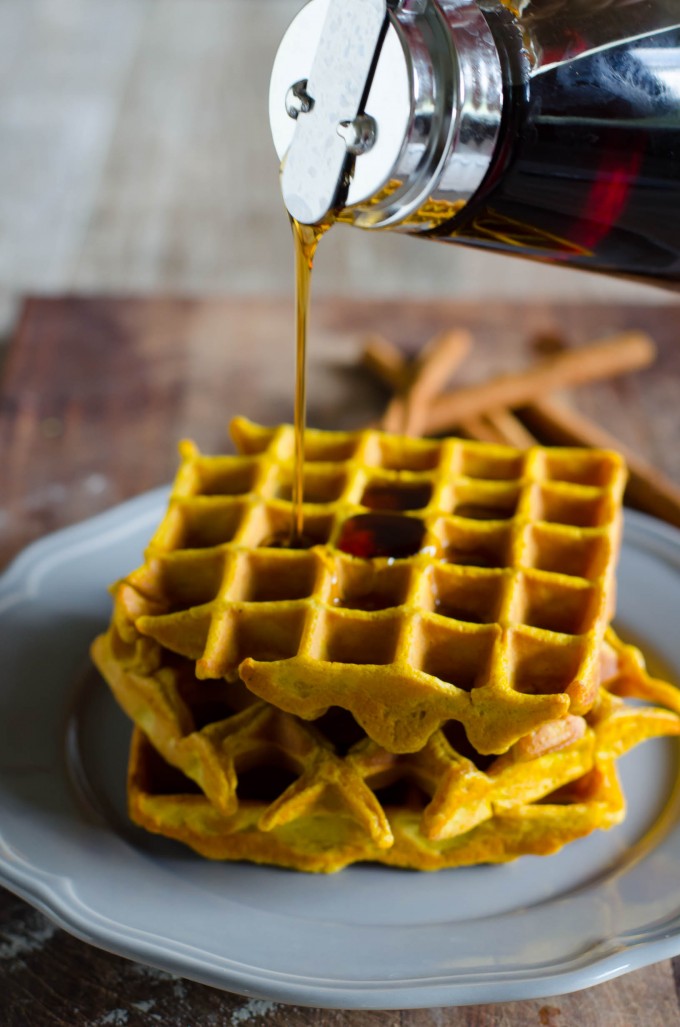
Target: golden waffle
x=316 y=772
x=488 y=607
x=199 y=729
x=311 y=824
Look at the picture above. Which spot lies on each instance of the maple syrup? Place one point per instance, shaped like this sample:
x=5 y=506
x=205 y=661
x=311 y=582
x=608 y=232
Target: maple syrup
x=286 y=540
x=305 y=241
x=381 y=496
x=374 y=535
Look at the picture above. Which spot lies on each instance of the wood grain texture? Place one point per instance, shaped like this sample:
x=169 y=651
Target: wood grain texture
x=95 y=395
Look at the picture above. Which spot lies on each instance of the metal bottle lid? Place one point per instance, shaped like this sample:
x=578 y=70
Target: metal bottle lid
x=383 y=109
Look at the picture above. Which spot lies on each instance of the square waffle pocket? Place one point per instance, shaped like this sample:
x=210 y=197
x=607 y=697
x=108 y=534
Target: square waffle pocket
x=441 y=581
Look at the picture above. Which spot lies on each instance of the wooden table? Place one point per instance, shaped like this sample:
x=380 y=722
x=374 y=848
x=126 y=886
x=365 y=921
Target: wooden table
x=95 y=395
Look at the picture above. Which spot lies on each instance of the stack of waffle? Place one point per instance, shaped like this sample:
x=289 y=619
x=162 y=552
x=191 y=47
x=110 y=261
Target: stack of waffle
x=428 y=680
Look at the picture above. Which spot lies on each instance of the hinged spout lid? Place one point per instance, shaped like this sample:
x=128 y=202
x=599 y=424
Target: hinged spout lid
x=379 y=106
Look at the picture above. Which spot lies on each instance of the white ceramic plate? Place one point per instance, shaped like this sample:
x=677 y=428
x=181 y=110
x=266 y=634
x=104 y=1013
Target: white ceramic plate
x=367 y=937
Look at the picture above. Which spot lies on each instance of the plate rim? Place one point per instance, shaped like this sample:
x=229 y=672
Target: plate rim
x=55 y=895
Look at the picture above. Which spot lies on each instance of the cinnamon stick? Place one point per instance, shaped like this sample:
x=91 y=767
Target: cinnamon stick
x=385 y=361
x=437 y=361
x=500 y=427
x=481 y=430
x=431 y=371
x=626 y=351
x=648 y=489
x=414 y=384
x=510 y=429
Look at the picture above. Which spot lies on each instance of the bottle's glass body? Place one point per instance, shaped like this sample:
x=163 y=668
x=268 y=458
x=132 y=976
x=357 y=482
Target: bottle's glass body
x=587 y=172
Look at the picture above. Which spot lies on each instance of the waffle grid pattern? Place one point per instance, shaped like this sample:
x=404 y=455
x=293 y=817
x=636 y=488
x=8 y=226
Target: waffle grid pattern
x=496 y=620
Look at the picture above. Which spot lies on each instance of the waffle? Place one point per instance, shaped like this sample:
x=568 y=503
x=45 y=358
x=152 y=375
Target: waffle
x=329 y=785
x=485 y=600
x=220 y=731
x=312 y=826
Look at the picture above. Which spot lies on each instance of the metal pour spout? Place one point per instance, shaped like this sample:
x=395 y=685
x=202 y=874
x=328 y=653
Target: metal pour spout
x=375 y=103
x=331 y=125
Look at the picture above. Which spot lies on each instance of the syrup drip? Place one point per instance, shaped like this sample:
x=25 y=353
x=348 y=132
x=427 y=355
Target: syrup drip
x=373 y=535
x=305 y=240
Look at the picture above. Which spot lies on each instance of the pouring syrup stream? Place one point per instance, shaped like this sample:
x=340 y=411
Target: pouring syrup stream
x=306 y=239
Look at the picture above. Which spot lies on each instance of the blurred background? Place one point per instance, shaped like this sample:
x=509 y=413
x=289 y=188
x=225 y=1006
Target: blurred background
x=135 y=158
